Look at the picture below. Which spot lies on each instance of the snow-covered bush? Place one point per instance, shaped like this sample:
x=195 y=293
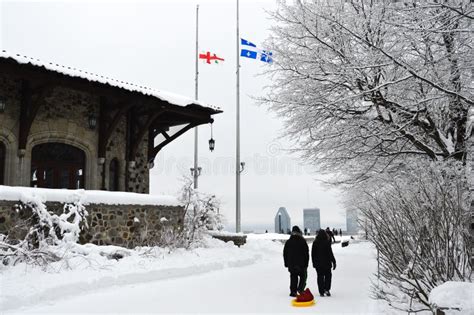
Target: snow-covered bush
x=418 y=223
x=45 y=229
x=201 y=214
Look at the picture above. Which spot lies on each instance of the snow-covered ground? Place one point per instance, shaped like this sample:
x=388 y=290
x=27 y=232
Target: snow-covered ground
x=453 y=296
x=220 y=278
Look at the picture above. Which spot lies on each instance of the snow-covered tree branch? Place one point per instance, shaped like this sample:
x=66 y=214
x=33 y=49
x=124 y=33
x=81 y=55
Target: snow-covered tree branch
x=369 y=83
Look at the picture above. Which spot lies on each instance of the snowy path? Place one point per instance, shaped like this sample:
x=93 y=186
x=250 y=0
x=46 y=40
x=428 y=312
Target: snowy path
x=258 y=288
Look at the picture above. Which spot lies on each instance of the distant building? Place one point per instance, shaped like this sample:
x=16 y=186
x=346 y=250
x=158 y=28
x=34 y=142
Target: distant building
x=312 y=220
x=282 y=221
x=351 y=221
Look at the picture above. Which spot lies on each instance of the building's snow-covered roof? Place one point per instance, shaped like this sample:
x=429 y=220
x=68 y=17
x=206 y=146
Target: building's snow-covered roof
x=74 y=72
x=84 y=196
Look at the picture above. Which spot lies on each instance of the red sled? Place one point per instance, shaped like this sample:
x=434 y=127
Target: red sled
x=306 y=298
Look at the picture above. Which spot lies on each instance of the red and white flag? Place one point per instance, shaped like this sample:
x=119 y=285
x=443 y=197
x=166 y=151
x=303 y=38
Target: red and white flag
x=208 y=57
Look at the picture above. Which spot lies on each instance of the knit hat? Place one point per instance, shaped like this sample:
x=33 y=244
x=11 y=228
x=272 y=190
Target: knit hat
x=296 y=229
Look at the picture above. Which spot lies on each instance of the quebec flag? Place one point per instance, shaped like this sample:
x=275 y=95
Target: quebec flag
x=250 y=50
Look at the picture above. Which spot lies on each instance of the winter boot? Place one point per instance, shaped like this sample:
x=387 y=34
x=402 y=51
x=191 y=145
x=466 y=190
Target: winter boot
x=328 y=293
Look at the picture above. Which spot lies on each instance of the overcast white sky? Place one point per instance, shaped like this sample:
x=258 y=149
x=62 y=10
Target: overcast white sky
x=153 y=43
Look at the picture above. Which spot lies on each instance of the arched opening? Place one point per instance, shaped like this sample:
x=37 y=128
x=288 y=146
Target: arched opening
x=57 y=165
x=3 y=151
x=114 y=175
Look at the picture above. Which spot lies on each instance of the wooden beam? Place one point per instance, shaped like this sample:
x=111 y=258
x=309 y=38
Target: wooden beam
x=113 y=124
x=188 y=112
x=25 y=103
x=136 y=141
x=110 y=125
x=128 y=135
x=151 y=142
x=167 y=141
x=102 y=128
x=29 y=106
x=158 y=130
x=167 y=137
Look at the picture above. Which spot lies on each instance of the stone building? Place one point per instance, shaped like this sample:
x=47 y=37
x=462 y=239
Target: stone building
x=282 y=221
x=61 y=127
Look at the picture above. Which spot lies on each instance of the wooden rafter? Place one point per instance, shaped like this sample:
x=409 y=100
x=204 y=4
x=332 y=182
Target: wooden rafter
x=170 y=139
x=102 y=129
x=165 y=135
x=31 y=101
x=109 y=125
x=137 y=140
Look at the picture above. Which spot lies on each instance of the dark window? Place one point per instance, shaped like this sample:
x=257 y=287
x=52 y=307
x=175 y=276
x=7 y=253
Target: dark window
x=57 y=165
x=114 y=175
x=2 y=163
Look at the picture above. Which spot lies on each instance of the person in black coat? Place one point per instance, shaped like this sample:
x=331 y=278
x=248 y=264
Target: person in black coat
x=296 y=257
x=323 y=259
x=330 y=235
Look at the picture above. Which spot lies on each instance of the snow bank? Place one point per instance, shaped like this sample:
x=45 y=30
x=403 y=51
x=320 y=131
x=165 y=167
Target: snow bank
x=454 y=295
x=84 y=196
x=224 y=233
x=73 y=72
x=268 y=236
x=282 y=237
x=91 y=268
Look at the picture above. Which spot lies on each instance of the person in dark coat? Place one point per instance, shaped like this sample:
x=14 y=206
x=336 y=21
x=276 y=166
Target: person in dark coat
x=330 y=235
x=323 y=259
x=296 y=258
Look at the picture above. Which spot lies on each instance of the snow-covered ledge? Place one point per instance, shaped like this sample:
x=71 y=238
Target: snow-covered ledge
x=113 y=218
x=85 y=196
x=238 y=239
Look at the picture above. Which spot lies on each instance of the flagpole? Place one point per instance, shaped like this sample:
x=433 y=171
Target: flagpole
x=196 y=168
x=237 y=160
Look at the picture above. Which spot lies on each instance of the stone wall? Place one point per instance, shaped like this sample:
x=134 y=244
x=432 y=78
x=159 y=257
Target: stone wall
x=122 y=225
x=139 y=172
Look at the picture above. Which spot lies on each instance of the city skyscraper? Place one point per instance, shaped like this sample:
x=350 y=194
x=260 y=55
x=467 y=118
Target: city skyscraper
x=312 y=220
x=351 y=221
x=282 y=221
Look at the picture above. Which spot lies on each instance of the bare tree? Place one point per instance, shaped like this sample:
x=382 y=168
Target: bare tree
x=416 y=221
x=201 y=214
x=364 y=84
